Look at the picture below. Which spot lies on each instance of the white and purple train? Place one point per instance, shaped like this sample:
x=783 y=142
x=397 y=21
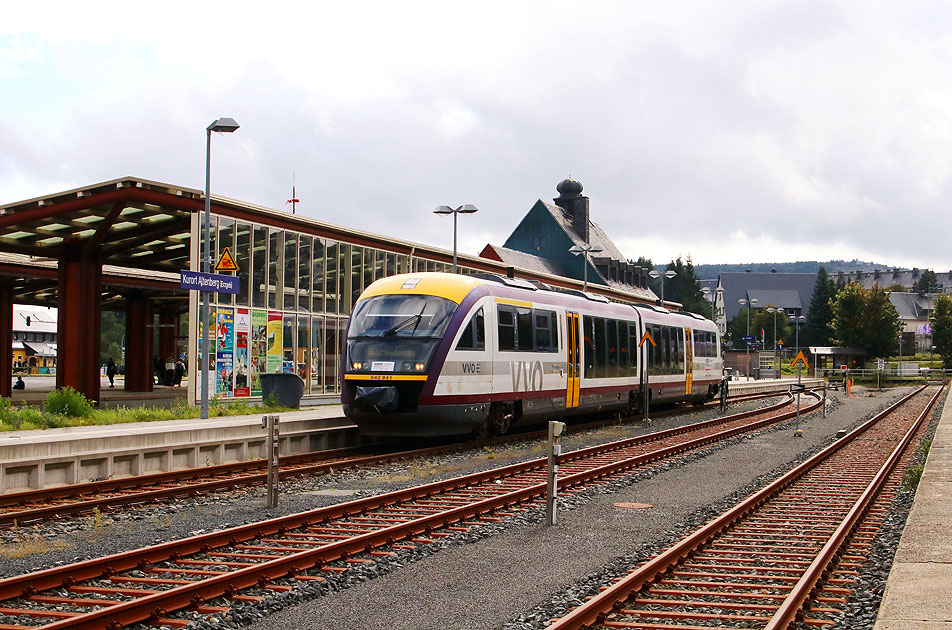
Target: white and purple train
x=432 y=354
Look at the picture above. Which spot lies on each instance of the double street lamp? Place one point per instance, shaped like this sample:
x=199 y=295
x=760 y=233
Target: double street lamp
x=797 y=320
x=588 y=250
x=222 y=125
x=712 y=296
x=466 y=208
x=670 y=273
x=749 y=303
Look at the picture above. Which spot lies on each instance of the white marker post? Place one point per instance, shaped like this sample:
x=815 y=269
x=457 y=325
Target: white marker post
x=552 y=480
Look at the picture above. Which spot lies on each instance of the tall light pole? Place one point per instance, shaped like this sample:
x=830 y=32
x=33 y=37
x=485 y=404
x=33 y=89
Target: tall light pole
x=749 y=303
x=775 y=310
x=712 y=297
x=931 y=346
x=797 y=320
x=670 y=273
x=588 y=250
x=222 y=125
x=466 y=208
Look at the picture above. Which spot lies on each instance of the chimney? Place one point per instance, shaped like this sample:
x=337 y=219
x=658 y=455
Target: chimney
x=575 y=204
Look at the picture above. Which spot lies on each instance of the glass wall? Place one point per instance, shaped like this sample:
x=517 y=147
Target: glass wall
x=296 y=292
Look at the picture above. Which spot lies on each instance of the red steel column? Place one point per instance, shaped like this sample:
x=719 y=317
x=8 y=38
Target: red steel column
x=6 y=339
x=168 y=333
x=138 y=343
x=78 y=321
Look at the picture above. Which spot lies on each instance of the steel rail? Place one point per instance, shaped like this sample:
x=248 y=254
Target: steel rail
x=86 y=498
x=805 y=587
x=598 y=607
x=154 y=605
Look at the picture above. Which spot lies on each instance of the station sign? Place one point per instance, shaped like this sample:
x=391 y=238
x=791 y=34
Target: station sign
x=749 y=339
x=209 y=282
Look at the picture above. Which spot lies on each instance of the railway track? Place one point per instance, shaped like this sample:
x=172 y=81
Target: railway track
x=786 y=555
x=203 y=572
x=34 y=506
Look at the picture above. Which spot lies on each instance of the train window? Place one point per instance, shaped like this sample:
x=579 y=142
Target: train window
x=678 y=335
x=599 y=358
x=611 y=328
x=544 y=331
x=473 y=337
x=524 y=329
x=633 y=341
x=622 y=348
x=588 y=341
x=507 y=328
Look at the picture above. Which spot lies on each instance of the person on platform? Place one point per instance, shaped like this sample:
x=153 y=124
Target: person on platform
x=19 y=384
x=179 y=372
x=111 y=371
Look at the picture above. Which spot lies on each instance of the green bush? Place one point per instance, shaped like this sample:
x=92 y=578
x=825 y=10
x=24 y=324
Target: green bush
x=910 y=478
x=68 y=402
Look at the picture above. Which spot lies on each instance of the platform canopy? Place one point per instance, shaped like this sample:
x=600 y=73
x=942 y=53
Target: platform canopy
x=139 y=230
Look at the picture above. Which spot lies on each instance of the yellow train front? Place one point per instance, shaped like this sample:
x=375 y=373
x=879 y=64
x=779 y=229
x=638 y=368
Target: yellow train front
x=432 y=354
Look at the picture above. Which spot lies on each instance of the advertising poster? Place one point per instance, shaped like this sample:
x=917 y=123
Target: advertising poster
x=275 y=343
x=242 y=333
x=224 y=364
x=259 y=349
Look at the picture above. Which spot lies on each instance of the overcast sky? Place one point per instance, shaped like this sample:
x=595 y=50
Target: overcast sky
x=729 y=132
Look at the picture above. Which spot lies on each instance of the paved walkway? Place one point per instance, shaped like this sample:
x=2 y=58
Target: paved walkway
x=919 y=589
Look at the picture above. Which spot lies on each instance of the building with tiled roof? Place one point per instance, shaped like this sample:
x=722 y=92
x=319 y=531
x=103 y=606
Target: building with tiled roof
x=541 y=242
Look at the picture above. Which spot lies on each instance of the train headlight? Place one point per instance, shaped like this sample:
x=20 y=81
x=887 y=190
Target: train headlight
x=419 y=367
x=357 y=365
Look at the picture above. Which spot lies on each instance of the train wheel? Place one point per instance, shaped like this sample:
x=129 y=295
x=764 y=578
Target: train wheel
x=500 y=419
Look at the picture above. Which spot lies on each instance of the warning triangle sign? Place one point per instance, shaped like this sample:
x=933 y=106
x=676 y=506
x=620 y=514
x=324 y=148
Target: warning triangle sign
x=226 y=262
x=801 y=358
x=647 y=336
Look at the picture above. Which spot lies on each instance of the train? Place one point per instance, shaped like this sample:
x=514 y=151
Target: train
x=437 y=354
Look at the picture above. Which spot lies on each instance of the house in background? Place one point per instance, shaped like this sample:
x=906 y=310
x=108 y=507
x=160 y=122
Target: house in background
x=790 y=291
x=914 y=311
x=542 y=239
x=34 y=339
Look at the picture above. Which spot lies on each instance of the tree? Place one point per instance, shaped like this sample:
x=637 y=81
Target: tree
x=882 y=325
x=849 y=322
x=865 y=319
x=817 y=327
x=761 y=319
x=927 y=283
x=685 y=288
x=738 y=327
x=113 y=329
x=942 y=328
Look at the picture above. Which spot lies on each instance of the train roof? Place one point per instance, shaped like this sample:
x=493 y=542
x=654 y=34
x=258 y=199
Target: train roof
x=456 y=287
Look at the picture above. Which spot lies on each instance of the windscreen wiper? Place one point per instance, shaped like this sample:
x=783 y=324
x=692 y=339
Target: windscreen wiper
x=403 y=324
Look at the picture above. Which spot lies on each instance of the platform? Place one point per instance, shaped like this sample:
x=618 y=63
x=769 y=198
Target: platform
x=919 y=588
x=56 y=457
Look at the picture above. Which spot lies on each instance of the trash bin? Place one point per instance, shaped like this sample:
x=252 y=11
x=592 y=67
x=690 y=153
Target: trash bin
x=287 y=387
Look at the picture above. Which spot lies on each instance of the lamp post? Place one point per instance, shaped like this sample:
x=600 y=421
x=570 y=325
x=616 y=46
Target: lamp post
x=466 y=208
x=712 y=297
x=222 y=125
x=670 y=273
x=749 y=303
x=931 y=347
x=797 y=320
x=587 y=250
x=775 y=310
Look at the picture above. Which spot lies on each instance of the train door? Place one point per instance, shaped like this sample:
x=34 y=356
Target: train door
x=688 y=360
x=573 y=360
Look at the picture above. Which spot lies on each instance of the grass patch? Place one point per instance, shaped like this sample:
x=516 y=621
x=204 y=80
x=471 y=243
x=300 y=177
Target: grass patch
x=68 y=408
x=31 y=546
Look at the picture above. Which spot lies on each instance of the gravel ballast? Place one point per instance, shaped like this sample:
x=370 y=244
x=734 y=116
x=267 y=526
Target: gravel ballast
x=515 y=574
